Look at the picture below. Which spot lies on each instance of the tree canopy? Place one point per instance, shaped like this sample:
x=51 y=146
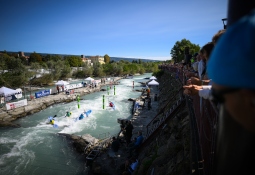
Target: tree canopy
x=106 y=58
x=178 y=50
x=74 y=61
x=13 y=73
x=35 y=57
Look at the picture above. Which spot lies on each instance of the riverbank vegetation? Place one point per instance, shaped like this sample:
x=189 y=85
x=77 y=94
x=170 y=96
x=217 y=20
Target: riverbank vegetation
x=39 y=70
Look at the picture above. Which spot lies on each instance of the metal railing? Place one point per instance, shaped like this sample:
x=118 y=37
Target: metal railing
x=104 y=140
x=204 y=121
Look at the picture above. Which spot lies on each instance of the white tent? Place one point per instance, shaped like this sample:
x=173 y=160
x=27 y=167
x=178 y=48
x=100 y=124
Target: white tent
x=153 y=78
x=62 y=83
x=7 y=91
x=89 y=79
x=153 y=82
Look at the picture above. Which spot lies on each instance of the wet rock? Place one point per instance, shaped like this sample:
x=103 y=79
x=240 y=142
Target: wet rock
x=81 y=142
x=9 y=124
x=139 y=90
x=89 y=138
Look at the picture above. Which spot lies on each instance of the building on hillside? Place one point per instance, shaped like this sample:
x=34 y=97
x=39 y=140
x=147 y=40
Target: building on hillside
x=95 y=59
x=21 y=54
x=101 y=60
x=87 y=61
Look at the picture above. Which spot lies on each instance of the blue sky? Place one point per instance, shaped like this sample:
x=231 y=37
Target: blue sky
x=120 y=28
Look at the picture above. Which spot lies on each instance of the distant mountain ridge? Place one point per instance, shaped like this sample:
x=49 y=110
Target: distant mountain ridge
x=87 y=56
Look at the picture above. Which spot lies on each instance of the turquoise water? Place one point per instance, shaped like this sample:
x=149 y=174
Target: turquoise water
x=36 y=148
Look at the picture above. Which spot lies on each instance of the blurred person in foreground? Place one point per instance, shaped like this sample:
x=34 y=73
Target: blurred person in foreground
x=231 y=67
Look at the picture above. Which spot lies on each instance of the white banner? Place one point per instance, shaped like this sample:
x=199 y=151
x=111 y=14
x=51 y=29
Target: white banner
x=97 y=81
x=19 y=94
x=17 y=104
x=73 y=86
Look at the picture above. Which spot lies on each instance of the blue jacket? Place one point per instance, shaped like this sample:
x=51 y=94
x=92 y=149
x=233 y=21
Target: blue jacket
x=139 y=140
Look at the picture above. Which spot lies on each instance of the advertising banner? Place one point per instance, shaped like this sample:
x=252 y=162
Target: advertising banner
x=43 y=93
x=17 y=104
x=74 y=86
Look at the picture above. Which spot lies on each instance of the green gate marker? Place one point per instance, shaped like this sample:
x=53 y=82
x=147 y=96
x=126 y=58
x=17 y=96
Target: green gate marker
x=103 y=101
x=114 y=90
x=78 y=100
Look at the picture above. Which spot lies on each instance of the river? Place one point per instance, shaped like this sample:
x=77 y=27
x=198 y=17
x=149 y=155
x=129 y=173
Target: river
x=36 y=148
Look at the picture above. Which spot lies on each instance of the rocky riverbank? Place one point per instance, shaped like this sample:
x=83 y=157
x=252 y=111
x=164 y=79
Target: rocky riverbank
x=38 y=104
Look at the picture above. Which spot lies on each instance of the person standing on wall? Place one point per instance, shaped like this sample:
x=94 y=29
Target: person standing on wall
x=58 y=89
x=129 y=128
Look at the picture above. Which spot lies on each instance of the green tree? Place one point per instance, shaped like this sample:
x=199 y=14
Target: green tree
x=118 y=70
x=178 y=50
x=15 y=74
x=57 y=69
x=98 y=70
x=88 y=71
x=78 y=74
x=44 y=65
x=74 y=61
x=46 y=58
x=24 y=60
x=141 y=70
x=126 y=69
x=35 y=66
x=35 y=57
x=106 y=58
x=50 y=65
x=108 y=69
x=3 y=58
x=56 y=58
x=66 y=71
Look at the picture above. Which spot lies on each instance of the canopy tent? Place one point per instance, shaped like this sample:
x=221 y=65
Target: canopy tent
x=89 y=79
x=153 y=78
x=153 y=82
x=4 y=91
x=62 y=83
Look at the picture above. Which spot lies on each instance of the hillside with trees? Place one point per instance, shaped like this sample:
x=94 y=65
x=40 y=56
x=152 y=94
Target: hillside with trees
x=18 y=71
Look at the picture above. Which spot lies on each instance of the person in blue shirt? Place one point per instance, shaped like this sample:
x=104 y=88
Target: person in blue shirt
x=138 y=141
